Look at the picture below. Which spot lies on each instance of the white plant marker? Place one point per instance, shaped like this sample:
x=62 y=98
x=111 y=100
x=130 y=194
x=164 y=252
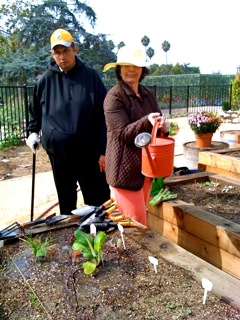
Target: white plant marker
x=207 y=286
x=93 y=229
x=154 y=261
x=120 y=228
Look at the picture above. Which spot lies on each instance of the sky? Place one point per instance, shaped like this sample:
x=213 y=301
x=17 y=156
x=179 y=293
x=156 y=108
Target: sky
x=203 y=33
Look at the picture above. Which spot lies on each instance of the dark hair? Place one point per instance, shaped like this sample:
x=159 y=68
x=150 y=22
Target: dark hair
x=145 y=72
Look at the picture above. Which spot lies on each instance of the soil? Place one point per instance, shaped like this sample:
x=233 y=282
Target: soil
x=18 y=162
x=215 y=197
x=123 y=288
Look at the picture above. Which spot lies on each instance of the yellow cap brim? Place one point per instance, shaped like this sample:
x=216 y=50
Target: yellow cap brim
x=109 y=66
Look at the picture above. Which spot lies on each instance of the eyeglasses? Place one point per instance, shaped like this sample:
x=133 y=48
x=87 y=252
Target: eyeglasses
x=58 y=54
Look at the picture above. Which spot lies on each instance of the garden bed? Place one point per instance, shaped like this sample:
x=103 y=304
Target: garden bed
x=128 y=288
x=204 y=219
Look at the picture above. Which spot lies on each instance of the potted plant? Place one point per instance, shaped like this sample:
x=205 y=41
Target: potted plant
x=204 y=124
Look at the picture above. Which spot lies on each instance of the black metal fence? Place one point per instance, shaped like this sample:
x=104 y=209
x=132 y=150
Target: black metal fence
x=173 y=100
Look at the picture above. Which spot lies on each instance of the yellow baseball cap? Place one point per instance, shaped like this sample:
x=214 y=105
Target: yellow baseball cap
x=61 y=37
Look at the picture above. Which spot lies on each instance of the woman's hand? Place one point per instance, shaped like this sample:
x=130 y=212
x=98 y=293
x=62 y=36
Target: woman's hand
x=163 y=120
x=152 y=117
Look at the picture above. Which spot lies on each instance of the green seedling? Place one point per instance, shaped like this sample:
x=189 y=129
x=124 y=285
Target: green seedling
x=40 y=248
x=34 y=300
x=91 y=247
x=163 y=195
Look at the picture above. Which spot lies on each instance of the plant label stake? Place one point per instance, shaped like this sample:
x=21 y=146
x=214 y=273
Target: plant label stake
x=93 y=229
x=120 y=228
x=154 y=261
x=207 y=285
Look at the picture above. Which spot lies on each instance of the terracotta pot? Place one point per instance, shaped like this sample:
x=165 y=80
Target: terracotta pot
x=204 y=140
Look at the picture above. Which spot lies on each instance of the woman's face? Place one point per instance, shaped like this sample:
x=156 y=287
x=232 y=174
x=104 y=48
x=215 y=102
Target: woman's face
x=131 y=74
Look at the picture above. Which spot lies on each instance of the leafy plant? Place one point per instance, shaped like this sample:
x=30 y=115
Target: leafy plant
x=236 y=93
x=40 y=248
x=34 y=300
x=91 y=247
x=204 y=122
x=12 y=135
x=226 y=105
x=173 y=128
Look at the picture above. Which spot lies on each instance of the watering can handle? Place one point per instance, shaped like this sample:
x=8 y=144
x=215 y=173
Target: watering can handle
x=154 y=132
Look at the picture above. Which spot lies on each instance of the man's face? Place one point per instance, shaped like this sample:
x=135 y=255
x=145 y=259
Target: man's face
x=64 y=56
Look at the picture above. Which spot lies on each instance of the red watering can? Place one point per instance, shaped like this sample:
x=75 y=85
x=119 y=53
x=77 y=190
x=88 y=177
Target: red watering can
x=157 y=153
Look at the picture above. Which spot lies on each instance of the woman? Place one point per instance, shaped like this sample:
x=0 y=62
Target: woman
x=130 y=109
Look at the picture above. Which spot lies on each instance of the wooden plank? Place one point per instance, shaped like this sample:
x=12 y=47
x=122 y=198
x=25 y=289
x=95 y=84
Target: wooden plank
x=210 y=253
x=72 y=221
x=188 y=178
x=200 y=223
x=219 y=170
x=200 y=177
x=221 y=161
x=226 y=151
x=222 y=178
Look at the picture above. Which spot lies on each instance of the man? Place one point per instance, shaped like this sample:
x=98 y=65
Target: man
x=67 y=107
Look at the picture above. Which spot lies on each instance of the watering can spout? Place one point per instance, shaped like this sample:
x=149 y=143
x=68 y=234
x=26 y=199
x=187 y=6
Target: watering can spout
x=142 y=139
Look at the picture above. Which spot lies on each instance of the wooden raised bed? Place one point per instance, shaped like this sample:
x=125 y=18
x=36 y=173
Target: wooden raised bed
x=210 y=237
x=220 y=162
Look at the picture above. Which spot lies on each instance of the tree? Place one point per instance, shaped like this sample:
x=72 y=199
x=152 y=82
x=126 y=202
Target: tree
x=29 y=26
x=166 y=46
x=32 y=24
x=120 y=45
x=97 y=51
x=150 y=52
x=165 y=69
x=177 y=69
x=145 y=41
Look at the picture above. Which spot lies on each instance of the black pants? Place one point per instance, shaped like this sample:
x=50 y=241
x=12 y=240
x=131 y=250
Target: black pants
x=69 y=172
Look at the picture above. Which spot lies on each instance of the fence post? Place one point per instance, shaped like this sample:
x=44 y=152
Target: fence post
x=188 y=90
x=170 y=100
x=26 y=108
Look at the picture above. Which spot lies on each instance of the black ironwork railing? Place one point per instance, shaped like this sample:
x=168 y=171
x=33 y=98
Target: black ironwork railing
x=180 y=100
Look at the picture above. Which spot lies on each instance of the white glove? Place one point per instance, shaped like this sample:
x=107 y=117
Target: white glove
x=166 y=126
x=33 y=142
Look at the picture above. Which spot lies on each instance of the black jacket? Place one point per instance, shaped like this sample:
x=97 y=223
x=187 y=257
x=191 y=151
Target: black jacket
x=68 y=110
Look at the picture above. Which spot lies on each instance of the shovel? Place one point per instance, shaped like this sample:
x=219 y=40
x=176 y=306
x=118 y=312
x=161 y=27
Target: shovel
x=51 y=222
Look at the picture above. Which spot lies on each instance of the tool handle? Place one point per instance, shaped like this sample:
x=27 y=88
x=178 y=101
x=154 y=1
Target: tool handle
x=38 y=221
x=126 y=223
x=111 y=209
x=107 y=204
x=118 y=218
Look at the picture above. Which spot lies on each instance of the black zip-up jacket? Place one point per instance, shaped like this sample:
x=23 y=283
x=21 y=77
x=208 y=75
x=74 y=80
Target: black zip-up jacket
x=68 y=110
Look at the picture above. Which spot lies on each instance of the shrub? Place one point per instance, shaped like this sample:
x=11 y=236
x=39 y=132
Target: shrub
x=226 y=105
